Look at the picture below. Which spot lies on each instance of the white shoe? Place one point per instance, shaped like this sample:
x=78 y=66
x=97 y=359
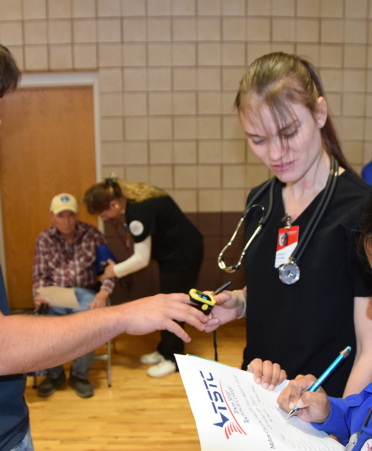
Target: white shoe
x=151 y=359
x=162 y=369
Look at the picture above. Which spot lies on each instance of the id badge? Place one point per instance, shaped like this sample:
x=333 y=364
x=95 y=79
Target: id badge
x=286 y=244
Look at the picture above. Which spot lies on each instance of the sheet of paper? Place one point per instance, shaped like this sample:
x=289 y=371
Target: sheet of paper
x=59 y=296
x=233 y=413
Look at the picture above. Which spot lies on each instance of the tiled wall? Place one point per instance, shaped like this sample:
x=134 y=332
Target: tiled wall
x=169 y=70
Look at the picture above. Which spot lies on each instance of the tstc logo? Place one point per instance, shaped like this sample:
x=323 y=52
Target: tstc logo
x=220 y=404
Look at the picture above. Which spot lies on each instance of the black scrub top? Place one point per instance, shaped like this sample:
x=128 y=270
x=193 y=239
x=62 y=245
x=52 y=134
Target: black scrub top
x=304 y=326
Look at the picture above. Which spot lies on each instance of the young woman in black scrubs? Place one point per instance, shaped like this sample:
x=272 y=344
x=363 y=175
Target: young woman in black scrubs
x=302 y=326
x=160 y=231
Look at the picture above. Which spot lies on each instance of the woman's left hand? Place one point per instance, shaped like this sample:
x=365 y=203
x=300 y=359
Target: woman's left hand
x=109 y=270
x=267 y=373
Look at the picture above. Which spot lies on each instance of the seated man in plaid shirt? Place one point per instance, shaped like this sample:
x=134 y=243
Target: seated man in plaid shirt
x=65 y=256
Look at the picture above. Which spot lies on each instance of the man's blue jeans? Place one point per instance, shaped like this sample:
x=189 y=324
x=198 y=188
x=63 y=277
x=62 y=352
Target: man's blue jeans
x=81 y=365
x=26 y=444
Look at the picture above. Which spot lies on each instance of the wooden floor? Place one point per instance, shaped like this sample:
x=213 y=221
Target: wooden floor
x=137 y=412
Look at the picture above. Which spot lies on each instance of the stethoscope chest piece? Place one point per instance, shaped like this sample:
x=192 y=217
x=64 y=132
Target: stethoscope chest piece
x=289 y=273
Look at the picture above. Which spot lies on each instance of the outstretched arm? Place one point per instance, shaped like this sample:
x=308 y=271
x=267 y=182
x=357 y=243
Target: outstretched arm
x=31 y=343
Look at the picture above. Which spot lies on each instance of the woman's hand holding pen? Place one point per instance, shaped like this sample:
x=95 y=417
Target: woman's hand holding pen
x=267 y=374
x=314 y=406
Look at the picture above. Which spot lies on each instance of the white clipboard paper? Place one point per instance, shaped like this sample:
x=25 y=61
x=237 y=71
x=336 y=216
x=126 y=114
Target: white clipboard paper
x=59 y=296
x=233 y=413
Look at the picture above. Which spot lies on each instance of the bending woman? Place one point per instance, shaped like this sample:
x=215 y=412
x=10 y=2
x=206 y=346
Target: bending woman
x=282 y=108
x=160 y=231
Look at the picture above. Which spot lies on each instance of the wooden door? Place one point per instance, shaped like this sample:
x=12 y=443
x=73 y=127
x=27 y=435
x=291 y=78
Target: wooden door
x=46 y=147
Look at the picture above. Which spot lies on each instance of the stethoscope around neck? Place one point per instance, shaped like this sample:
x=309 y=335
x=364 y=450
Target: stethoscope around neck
x=289 y=273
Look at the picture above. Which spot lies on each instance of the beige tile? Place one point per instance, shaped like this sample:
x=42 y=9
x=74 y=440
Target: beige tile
x=184 y=29
x=355 y=31
x=283 y=47
x=256 y=50
x=356 y=8
x=258 y=29
x=109 y=55
x=355 y=56
x=11 y=33
x=136 y=152
x=112 y=153
x=159 y=79
x=233 y=176
x=184 y=103
x=353 y=105
x=234 y=29
x=332 y=79
x=369 y=81
x=184 y=152
x=135 y=79
x=59 y=9
x=183 y=54
x=209 y=79
x=160 y=103
x=209 y=7
x=261 y=8
x=161 y=176
x=161 y=152
x=209 y=176
x=234 y=54
x=308 y=8
x=11 y=10
x=332 y=31
x=352 y=128
x=112 y=129
x=134 y=55
x=35 y=32
x=183 y=7
x=110 y=80
x=36 y=57
x=334 y=104
x=233 y=200
x=210 y=151
x=251 y=157
x=158 y=7
x=368 y=130
x=231 y=78
x=159 y=29
x=209 y=103
x=210 y=200
x=184 y=79
x=85 y=56
x=283 y=30
x=228 y=99
x=369 y=105
x=310 y=52
x=185 y=127
x=159 y=54
x=369 y=56
x=353 y=151
x=108 y=8
x=134 y=29
x=331 y=55
x=185 y=176
x=110 y=104
x=59 y=31
x=233 y=8
x=209 y=127
x=209 y=29
x=233 y=151
x=307 y=30
x=354 y=80
x=283 y=8
x=256 y=174
x=160 y=128
x=231 y=128
x=133 y=7
x=331 y=8
x=34 y=9
x=137 y=174
x=119 y=171
x=83 y=8
x=136 y=128
x=135 y=104
x=186 y=199
x=109 y=30
x=60 y=57
x=84 y=30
